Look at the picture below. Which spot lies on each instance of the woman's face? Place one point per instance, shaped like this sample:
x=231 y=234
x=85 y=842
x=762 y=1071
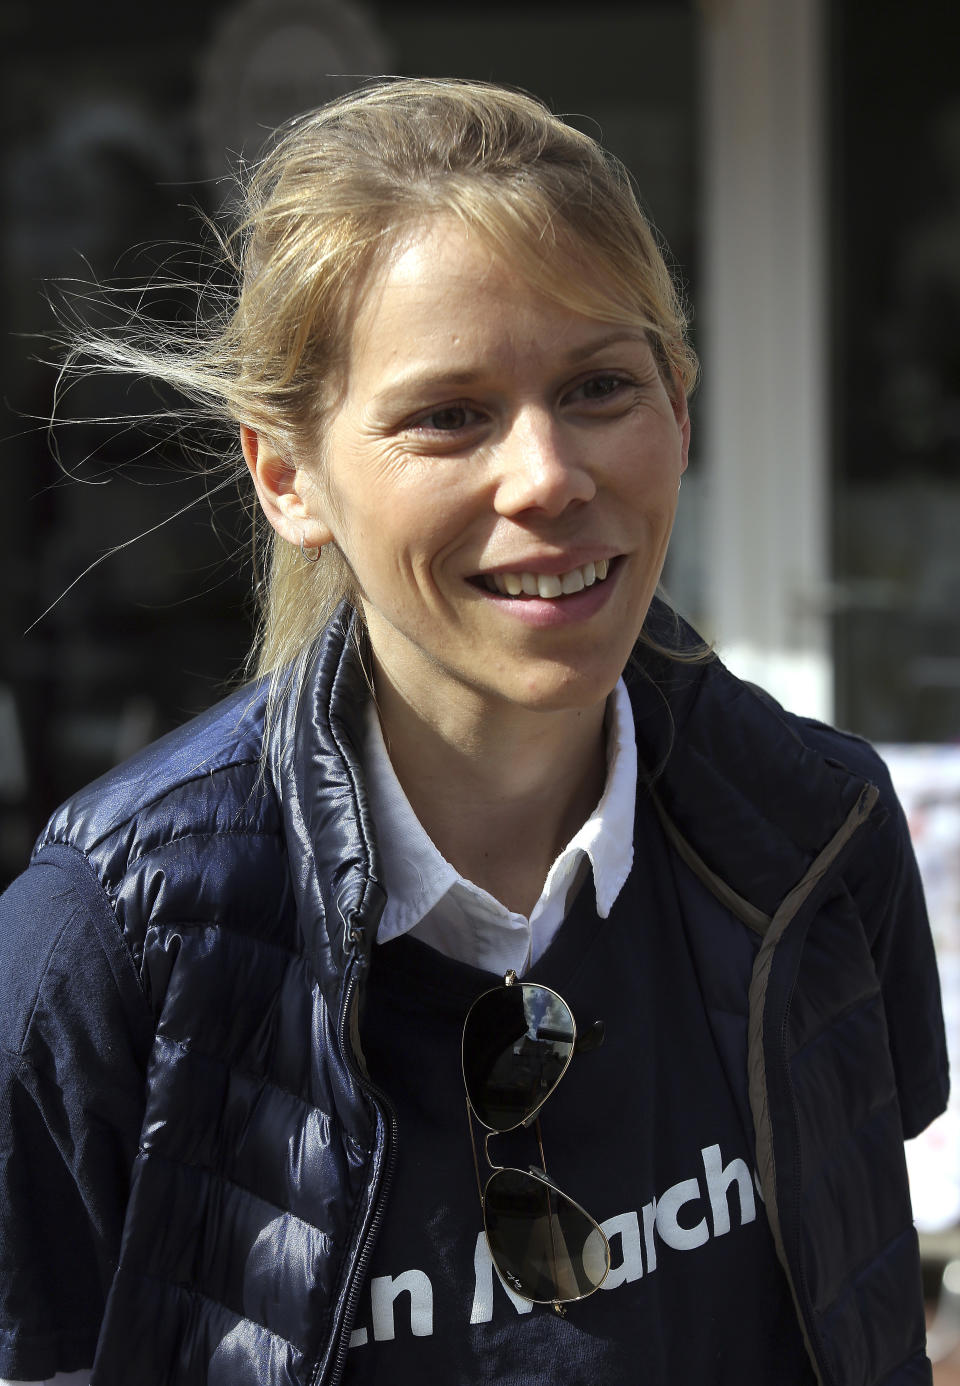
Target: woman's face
x=501 y=478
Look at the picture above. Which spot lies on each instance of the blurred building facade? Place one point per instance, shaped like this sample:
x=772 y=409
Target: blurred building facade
x=800 y=157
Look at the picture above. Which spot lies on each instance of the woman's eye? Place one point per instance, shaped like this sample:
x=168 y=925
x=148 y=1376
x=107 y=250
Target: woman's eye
x=599 y=387
x=450 y=419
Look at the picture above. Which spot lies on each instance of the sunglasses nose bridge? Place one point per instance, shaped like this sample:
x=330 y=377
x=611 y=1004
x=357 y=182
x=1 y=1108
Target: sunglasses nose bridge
x=488 y=1137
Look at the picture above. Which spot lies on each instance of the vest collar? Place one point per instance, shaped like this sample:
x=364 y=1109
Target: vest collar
x=752 y=802
x=743 y=796
x=315 y=766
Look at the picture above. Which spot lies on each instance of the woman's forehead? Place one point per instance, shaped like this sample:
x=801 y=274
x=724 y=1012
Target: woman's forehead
x=443 y=268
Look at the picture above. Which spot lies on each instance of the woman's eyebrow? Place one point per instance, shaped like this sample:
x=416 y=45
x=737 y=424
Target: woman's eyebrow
x=592 y=348
x=419 y=381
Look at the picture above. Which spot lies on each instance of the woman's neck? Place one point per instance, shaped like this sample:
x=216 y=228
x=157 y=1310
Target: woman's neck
x=499 y=797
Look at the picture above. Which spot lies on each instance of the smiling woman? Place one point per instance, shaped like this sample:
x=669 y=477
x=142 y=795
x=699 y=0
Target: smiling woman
x=559 y=454
x=249 y=977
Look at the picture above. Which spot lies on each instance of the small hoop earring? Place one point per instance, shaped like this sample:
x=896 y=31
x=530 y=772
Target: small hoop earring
x=311 y=555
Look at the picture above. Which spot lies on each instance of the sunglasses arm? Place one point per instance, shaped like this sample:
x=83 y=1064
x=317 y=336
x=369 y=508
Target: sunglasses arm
x=589 y=1039
x=543 y=1158
x=473 y=1147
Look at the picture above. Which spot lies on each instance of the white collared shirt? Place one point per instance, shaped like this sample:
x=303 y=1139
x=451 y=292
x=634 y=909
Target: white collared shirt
x=428 y=898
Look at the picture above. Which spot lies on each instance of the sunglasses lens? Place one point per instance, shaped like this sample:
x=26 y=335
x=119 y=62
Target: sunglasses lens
x=542 y=1243
x=517 y=1042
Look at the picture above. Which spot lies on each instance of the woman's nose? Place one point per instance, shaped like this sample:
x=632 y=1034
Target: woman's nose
x=542 y=467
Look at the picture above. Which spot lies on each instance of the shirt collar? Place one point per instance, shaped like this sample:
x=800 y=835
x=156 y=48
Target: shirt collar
x=607 y=835
x=417 y=878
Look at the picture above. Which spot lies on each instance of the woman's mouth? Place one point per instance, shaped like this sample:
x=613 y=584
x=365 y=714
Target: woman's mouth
x=547 y=586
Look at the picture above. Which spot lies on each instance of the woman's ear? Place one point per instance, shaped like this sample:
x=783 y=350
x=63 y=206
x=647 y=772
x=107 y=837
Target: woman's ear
x=289 y=494
x=681 y=412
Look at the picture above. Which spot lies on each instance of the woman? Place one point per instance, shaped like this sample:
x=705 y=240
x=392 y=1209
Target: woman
x=241 y=970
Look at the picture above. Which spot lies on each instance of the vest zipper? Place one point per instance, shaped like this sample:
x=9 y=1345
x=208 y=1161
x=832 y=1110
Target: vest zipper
x=384 y=1107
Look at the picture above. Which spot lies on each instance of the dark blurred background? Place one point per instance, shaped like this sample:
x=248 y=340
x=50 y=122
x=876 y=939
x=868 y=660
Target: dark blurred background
x=117 y=132
x=802 y=160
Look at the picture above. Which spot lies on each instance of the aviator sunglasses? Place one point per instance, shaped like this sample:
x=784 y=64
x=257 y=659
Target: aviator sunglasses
x=518 y=1040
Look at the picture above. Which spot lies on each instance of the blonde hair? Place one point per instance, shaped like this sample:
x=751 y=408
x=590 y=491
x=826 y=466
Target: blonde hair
x=333 y=195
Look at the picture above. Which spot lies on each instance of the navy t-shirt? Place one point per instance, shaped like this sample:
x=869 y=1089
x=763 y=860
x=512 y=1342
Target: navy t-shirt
x=644 y=1132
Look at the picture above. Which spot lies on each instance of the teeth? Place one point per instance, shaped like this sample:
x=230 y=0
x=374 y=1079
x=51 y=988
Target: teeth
x=546 y=585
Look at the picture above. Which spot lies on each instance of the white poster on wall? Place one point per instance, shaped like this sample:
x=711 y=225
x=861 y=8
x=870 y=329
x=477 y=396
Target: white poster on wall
x=927 y=780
